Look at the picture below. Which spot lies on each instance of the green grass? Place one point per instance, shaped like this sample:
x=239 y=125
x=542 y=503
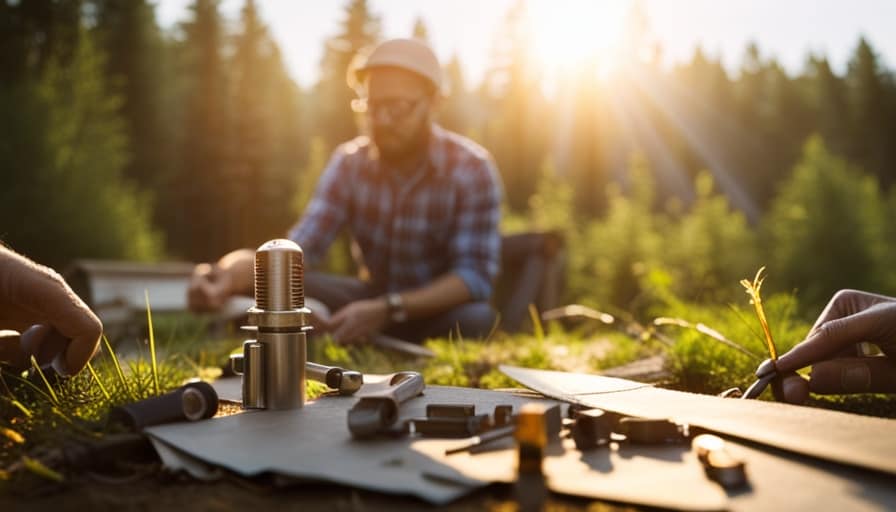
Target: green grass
x=44 y=415
x=708 y=348
x=702 y=363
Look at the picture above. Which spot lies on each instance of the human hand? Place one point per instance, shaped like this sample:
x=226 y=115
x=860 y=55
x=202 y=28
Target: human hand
x=356 y=321
x=209 y=288
x=55 y=324
x=850 y=318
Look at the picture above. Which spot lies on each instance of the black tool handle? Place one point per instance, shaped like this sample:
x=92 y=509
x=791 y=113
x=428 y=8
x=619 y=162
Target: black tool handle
x=191 y=402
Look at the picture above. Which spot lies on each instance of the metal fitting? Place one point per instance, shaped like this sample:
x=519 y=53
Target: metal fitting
x=273 y=364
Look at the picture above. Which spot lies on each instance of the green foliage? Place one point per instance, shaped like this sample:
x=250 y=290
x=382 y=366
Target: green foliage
x=47 y=416
x=360 y=30
x=710 y=246
x=513 y=127
x=622 y=247
x=701 y=363
x=826 y=227
x=65 y=148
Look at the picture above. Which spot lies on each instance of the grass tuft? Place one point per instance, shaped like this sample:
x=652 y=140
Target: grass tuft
x=753 y=290
x=152 y=344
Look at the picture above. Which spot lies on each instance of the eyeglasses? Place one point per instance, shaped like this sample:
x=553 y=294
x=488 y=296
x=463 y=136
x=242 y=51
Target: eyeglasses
x=394 y=108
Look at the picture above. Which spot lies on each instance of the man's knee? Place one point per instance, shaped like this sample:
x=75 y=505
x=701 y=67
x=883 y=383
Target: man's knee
x=471 y=320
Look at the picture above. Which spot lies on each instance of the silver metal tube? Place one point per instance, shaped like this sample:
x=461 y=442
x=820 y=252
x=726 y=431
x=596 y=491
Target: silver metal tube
x=253 y=375
x=284 y=375
x=318 y=372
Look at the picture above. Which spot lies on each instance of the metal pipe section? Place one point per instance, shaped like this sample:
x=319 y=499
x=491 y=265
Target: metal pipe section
x=274 y=374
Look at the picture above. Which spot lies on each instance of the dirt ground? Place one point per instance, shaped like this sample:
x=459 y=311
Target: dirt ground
x=182 y=494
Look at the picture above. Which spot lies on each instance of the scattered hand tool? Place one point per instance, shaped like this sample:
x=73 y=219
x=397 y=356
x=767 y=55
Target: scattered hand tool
x=765 y=374
x=450 y=410
x=448 y=427
x=718 y=463
x=531 y=435
x=450 y=420
x=651 y=431
x=504 y=424
x=191 y=402
x=591 y=428
x=375 y=413
x=348 y=382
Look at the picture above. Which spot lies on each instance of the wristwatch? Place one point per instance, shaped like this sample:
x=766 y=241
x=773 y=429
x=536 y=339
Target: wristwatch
x=397 y=313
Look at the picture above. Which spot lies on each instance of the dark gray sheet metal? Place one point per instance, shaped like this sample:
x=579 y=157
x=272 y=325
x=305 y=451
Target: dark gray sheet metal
x=845 y=438
x=314 y=443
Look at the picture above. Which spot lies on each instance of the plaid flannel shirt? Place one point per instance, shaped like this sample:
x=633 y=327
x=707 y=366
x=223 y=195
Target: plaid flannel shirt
x=411 y=230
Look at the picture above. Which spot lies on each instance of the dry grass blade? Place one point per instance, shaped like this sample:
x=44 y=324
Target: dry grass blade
x=39 y=468
x=152 y=346
x=44 y=378
x=118 y=370
x=12 y=435
x=753 y=290
x=536 y=323
x=577 y=310
x=98 y=381
x=706 y=331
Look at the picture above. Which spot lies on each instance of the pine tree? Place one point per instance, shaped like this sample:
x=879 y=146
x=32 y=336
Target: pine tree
x=420 y=31
x=582 y=135
x=826 y=228
x=516 y=129
x=871 y=124
x=830 y=104
x=132 y=43
x=266 y=147
x=360 y=30
x=457 y=109
x=199 y=222
x=33 y=33
x=774 y=120
x=65 y=147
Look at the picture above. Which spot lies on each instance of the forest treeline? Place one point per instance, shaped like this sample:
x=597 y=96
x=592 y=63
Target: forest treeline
x=122 y=140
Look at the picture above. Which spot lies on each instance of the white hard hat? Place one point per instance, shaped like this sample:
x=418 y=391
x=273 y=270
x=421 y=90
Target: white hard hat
x=409 y=54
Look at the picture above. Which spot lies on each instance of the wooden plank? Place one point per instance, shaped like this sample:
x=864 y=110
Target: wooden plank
x=831 y=435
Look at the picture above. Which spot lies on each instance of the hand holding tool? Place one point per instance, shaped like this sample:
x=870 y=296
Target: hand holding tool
x=375 y=413
x=766 y=372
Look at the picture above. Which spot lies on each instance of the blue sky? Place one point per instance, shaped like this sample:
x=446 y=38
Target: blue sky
x=786 y=29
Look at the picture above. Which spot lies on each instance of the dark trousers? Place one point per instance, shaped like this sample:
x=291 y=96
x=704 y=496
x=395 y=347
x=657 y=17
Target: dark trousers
x=470 y=320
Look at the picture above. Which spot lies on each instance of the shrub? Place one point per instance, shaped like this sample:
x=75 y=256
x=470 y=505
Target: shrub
x=825 y=228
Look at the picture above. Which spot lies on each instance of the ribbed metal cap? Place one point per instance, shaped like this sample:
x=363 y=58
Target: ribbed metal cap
x=279 y=276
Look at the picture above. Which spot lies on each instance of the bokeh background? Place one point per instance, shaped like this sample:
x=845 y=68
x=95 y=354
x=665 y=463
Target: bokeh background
x=679 y=146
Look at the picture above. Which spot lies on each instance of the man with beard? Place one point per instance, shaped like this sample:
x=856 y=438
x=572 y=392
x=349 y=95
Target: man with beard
x=422 y=204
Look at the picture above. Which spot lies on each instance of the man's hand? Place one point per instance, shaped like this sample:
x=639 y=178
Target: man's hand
x=356 y=321
x=209 y=289
x=55 y=323
x=850 y=318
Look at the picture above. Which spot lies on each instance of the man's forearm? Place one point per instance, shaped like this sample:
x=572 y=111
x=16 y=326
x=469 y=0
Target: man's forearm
x=442 y=294
x=239 y=267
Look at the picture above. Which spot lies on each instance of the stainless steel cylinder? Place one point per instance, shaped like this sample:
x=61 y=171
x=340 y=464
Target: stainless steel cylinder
x=253 y=375
x=279 y=315
x=284 y=375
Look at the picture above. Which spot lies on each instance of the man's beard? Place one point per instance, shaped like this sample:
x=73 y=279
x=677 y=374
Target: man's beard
x=392 y=147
